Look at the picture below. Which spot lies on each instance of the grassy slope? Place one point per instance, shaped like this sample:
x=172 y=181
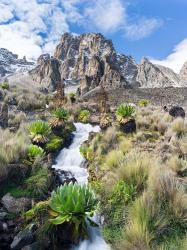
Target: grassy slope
x=141 y=181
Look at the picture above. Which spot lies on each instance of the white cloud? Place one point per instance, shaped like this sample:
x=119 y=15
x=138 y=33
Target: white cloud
x=106 y=15
x=5 y=13
x=36 y=25
x=177 y=57
x=36 y=28
x=142 y=28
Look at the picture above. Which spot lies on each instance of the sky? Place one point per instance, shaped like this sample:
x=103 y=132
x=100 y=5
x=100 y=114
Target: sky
x=152 y=28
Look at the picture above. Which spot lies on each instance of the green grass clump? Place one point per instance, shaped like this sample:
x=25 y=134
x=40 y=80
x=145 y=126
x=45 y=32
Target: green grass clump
x=5 y=85
x=38 y=183
x=143 y=102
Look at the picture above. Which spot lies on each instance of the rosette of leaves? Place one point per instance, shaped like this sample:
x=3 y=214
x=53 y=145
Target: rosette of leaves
x=84 y=116
x=34 y=151
x=60 y=116
x=39 y=132
x=73 y=204
x=125 y=112
x=54 y=144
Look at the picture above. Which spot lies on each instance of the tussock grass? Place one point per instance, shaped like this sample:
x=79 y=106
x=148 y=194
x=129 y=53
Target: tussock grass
x=178 y=165
x=12 y=148
x=113 y=159
x=134 y=169
x=179 y=126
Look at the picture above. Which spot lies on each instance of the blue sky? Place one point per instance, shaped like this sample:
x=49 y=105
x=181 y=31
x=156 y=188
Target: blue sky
x=155 y=29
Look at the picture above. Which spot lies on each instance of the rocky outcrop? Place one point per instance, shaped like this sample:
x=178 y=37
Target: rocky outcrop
x=47 y=72
x=183 y=75
x=10 y=63
x=15 y=205
x=156 y=76
x=177 y=111
x=89 y=60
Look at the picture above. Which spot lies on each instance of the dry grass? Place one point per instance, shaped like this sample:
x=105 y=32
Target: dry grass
x=12 y=147
x=113 y=159
x=179 y=126
x=16 y=119
x=134 y=169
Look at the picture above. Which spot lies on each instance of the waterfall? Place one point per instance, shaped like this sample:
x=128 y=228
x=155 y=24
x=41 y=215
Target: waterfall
x=70 y=159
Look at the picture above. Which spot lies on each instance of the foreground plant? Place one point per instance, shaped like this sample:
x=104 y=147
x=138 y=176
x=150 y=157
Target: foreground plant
x=74 y=204
x=84 y=116
x=60 y=116
x=39 y=131
x=34 y=151
x=125 y=112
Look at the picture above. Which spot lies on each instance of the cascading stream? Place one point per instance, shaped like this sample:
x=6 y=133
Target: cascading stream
x=71 y=160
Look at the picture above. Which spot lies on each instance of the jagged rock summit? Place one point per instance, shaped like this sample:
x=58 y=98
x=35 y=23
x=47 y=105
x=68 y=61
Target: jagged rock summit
x=10 y=63
x=90 y=60
x=156 y=76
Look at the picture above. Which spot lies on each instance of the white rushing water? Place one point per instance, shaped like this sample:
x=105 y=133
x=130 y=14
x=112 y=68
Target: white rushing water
x=71 y=160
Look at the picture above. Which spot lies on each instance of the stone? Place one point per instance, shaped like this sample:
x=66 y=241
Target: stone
x=177 y=111
x=15 y=205
x=128 y=127
x=33 y=246
x=3 y=226
x=22 y=239
x=62 y=177
x=3 y=115
x=3 y=215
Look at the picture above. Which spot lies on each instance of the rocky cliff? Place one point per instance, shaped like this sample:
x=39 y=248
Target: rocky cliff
x=156 y=76
x=10 y=63
x=91 y=60
x=47 y=72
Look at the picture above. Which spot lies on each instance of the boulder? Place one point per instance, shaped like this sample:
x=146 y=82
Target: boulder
x=128 y=127
x=15 y=205
x=33 y=246
x=177 y=111
x=22 y=239
x=62 y=177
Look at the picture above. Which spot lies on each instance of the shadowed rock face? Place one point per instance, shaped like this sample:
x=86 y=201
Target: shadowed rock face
x=89 y=59
x=47 y=72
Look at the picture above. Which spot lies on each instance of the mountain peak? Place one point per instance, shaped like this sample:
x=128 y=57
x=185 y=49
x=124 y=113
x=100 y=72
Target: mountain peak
x=10 y=63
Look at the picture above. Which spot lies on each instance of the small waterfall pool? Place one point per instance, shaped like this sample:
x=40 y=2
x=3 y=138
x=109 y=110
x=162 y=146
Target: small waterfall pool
x=70 y=159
